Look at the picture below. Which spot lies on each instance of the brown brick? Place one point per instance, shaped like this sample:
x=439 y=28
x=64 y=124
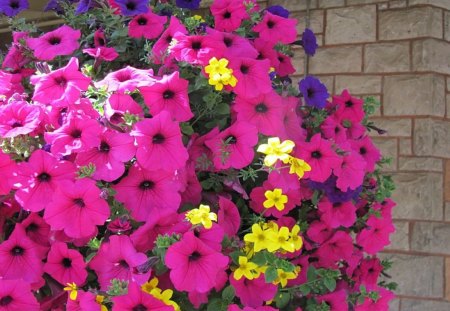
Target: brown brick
x=410 y=23
x=393 y=126
x=447 y=212
x=387 y=57
x=431 y=237
x=414 y=95
x=351 y=25
x=419 y=164
x=431 y=55
x=342 y=59
x=431 y=138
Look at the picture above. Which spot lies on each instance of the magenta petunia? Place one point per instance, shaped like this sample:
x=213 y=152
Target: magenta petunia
x=253 y=293
x=77 y=208
x=170 y=93
x=266 y=50
x=263 y=111
x=7 y=171
x=194 y=265
x=19 y=118
x=160 y=47
x=117 y=259
x=338 y=247
x=232 y=45
x=16 y=58
x=337 y=300
x=350 y=174
x=337 y=214
x=109 y=156
x=228 y=216
x=61 y=41
x=120 y=104
x=284 y=67
x=228 y=14
x=349 y=107
x=212 y=237
x=147 y=25
x=85 y=301
x=126 y=79
x=331 y=128
x=39 y=178
x=320 y=156
x=17 y=295
x=275 y=29
x=191 y=188
x=375 y=236
x=21 y=258
x=292 y=120
x=252 y=76
x=199 y=154
x=319 y=232
x=148 y=192
x=65 y=265
x=367 y=272
x=102 y=53
x=382 y=303
x=159 y=143
x=234 y=146
x=136 y=299
x=368 y=151
x=61 y=87
x=79 y=133
x=194 y=49
x=37 y=229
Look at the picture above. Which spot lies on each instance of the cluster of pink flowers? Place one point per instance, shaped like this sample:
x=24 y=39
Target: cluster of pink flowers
x=195 y=177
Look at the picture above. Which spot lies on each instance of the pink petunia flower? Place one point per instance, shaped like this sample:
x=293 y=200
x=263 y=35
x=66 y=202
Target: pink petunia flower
x=194 y=49
x=21 y=258
x=337 y=300
x=375 y=236
x=126 y=79
x=7 y=170
x=102 y=53
x=228 y=14
x=60 y=87
x=117 y=259
x=148 y=192
x=118 y=105
x=191 y=189
x=194 y=265
x=17 y=295
x=263 y=111
x=252 y=76
x=61 y=41
x=320 y=156
x=159 y=144
x=337 y=214
x=253 y=293
x=77 y=208
x=319 y=232
x=212 y=237
x=65 y=265
x=160 y=47
x=338 y=247
x=284 y=66
x=170 y=93
x=368 y=151
x=147 y=25
x=332 y=129
x=232 y=45
x=292 y=120
x=349 y=107
x=39 y=178
x=350 y=174
x=367 y=272
x=84 y=301
x=16 y=59
x=228 y=216
x=37 y=229
x=79 y=133
x=19 y=118
x=382 y=303
x=109 y=156
x=199 y=153
x=136 y=299
x=234 y=146
x=275 y=29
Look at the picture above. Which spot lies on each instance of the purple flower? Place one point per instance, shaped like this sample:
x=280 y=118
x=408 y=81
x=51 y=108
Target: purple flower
x=278 y=10
x=188 y=4
x=132 y=7
x=53 y=5
x=314 y=92
x=309 y=42
x=13 y=7
x=83 y=6
x=333 y=193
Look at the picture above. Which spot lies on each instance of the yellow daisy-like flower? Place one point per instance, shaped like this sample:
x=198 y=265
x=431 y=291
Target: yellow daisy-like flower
x=284 y=241
x=262 y=239
x=275 y=198
x=276 y=150
x=199 y=18
x=165 y=297
x=296 y=238
x=284 y=277
x=73 y=289
x=219 y=74
x=298 y=166
x=100 y=299
x=150 y=285
x=245 y=268
x=201 y=215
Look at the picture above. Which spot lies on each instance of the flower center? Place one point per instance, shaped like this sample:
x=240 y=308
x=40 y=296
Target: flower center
x=131 y=6
x=32 y=227
x=14 y=4
x=17 y=251
x=79 y=202
x=104 y=147
x=101 y=41
x=67 y=262
x=146 y=185
x=310 y=92
x=158 y=139
x=227 y=15
x=123 y=77
x=348 y=104
x=196 y=45
x=168 y=94
x=16 y=124
x=362 y=150
x=194 y=256
x=228 y=42
x=116 y=117
x=169 y=39
x=61 y=81
x=139 y=307
x=54 y=40
x=76 y=133
x=316 y=154
x=142 y=21
x=124 y=264
x=270 y=24
x=244 y=69
x=44 y=177
x=231 y=139
x=5 y=301
x=261 y=108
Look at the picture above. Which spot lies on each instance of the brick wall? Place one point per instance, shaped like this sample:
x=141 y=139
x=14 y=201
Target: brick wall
x=399 y=52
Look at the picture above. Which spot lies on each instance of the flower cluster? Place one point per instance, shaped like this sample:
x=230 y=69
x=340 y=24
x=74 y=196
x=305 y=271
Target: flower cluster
x=156 y=159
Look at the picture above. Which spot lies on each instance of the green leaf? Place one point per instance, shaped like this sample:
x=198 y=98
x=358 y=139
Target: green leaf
x=216 y=304
x=271 y=274
x=228 y=294
x=311 y=274
x=282 y=299
x=330 y=284
x=305 y=289
x=259 y=259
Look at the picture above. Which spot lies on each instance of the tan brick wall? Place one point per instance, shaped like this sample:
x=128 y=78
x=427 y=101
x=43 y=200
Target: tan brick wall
x=399 y=51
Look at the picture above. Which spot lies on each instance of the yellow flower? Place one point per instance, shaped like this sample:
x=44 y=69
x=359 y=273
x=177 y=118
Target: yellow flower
x=275 y=198
x=99 y=299
x=72 y=287
x=165 y=296
x=219 y=74
x=198 y=18
x=284 y=241
x=296 y=238
x=201 y=215
x=275 y=150
x=261 y=239
x=298 y=166
x=245 y=269
x=150 y=285
x=283 y=277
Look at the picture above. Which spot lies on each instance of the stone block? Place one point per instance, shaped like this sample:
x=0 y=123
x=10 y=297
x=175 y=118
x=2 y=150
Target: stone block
x=419 y=276
x=351 y=25
x=448 y=84
x=315 y=21
x=298 y=61
x=394 y=305
x=405 y=146
x=398 y=127
x=388 y=148
x=418 y=195
x=414 y=95
x=293 y=5
x=410 y=23
x=331 y=3
x=420 y=164
x=397 y=4
x=447 y=278
x=431 y=237
x=440 y=3
x=447 y=109
x=387 y=57
x=431 y=55
x=431 y=138
x=447 y=215
x=447 y=180
x=421 y=305
x=363 y=1
x=447 y=25
x=400 y=239
x=341 y=59
x=358 y=84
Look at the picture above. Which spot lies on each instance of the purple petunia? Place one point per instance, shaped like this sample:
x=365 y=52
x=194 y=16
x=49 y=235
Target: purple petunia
x=309 y=42
x=13 y=7
x=188 y=4
x=333 y=193
x=132 y=7
x=54 y=5
x=278 y=10
x=83 y=6
x=314 y=92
